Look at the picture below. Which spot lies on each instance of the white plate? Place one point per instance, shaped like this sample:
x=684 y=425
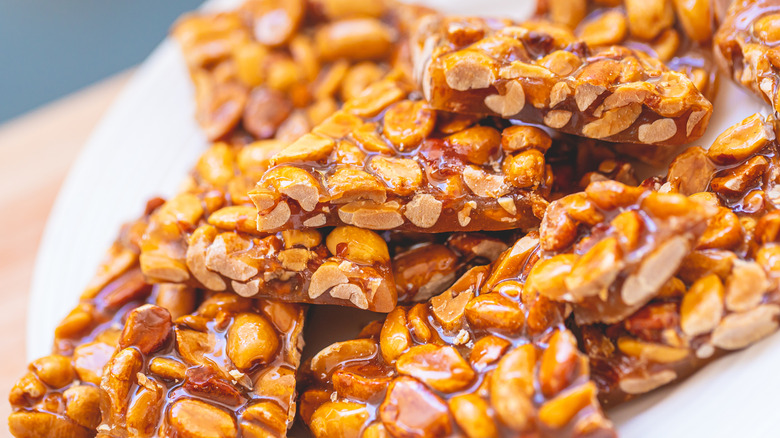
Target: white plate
x=147 y=142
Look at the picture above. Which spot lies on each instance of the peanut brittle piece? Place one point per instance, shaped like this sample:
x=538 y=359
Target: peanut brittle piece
x=540 y=73
x=59 y=396
x=276 y=68
x=746 y=46
x=483 y=359
x=725 y=296
x=226 y=370
x=206 y=237
x=610 y=249
x=388 y=161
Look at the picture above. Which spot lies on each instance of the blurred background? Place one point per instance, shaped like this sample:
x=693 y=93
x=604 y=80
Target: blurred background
x=50 y=48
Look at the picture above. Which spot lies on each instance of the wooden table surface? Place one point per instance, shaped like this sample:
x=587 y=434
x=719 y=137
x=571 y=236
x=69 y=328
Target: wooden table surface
x=37 y=151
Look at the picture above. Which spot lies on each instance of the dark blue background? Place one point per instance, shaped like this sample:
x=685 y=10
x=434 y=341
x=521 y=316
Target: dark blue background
x=49 y=48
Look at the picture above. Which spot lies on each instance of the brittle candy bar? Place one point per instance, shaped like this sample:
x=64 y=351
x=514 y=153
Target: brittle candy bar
x=724 y=298
x=746 y=47
x=388 y=161
x=726 y=294
x=227 y=370
x=540 y=73
x=206 y=237
x=483 y=359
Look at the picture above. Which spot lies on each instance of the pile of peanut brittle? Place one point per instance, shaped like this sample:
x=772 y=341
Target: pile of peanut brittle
x=471 y=179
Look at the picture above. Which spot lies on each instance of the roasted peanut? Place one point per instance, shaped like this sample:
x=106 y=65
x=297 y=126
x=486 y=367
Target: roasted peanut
x=606 y=29
x=355 y=39
x=338 y=419
x=407 y=123
x=441 y=368
x=251 y=340
x=413 y=410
